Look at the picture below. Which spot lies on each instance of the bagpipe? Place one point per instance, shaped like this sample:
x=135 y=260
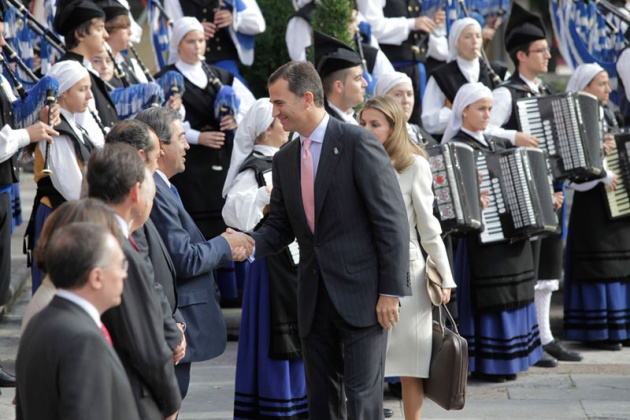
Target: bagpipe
x=479 y=10
x=369 y=78
x=590 y=32
x=160 y=25
x=226 y=102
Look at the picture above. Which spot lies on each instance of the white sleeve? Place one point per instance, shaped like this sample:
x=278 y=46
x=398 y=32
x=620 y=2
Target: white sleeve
x=435 y=114
x=11 y=141
x=66 y=175
x=245 y=202
x=623 y=70
x=173 y=9
x=501 y=106
x=382 y=65
x=298 y=38
x=250 y=21
x=496 y=131
x=585 y=186
x=438 y=44
x=192 y=135
x=428 y=226
x=392 y=31
x=245 y=95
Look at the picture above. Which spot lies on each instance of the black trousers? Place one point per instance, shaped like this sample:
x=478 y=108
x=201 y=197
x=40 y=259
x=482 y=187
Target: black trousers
x=343 y=362
x=5 y=247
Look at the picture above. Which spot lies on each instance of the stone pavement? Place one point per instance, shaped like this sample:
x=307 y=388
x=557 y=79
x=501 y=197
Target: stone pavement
x=596 y=388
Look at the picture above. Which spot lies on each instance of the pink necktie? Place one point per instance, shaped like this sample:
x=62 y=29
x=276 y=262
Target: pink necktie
x=308 y=195
x=106 y=334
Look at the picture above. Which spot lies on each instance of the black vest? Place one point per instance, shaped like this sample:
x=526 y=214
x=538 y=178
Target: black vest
x=259 y=164
x=415 y=47
x=519 y=89
x=221 y=46
x=82 y=147
x=127 y=67
x=450 y=78
x=8 y=168
x=104 y=104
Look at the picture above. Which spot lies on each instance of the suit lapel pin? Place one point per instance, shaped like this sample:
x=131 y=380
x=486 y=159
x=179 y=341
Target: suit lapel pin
x=336 y=151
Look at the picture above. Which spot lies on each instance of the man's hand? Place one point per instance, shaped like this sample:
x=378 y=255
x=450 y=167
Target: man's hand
x=209 y=30
x=40 y=131
x=484 y=199
x=175 y=102
x=558 y=198
x=212 y=139
x=609 y=144
x=227 y=123
x=55 y=118
x=424 y=24
x=613 y=184
x=239 y=240
x=525 y=140
x=446 y=296
x=223 y=18
x=387 y=311
x=180 y=350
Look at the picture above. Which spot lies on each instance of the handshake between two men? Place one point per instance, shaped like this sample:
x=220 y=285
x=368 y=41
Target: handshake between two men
x=241 y=244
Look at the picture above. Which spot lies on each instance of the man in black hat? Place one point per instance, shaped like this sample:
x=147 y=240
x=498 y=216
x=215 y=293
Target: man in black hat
x=526 y=43
x=82 y=24
x=11 y=140
x=339 y=67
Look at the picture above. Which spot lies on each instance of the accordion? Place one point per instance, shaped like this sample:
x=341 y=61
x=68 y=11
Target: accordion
x=454 y=170
x=618 y=201
x=521 y=195
x=569 y=129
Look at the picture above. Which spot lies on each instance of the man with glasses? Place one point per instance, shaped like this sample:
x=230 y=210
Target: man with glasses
x=526 y=43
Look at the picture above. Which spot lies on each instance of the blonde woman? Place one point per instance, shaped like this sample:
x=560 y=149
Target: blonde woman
x=409 y=350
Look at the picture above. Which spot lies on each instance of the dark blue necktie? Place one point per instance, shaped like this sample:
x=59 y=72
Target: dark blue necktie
x=174 y=189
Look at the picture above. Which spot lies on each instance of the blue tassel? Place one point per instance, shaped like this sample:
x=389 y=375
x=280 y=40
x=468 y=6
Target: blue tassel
x=169 y=80
x=226 y=99
x=26 y=111
x=133 y=99
x=371 y=82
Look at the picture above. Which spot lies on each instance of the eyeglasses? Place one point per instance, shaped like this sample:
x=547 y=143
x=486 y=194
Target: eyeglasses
x=541 y=51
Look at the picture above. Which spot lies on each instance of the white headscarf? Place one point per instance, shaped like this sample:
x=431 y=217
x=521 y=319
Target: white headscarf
x=387 y=81
x=67 y=73
x=256 y=121
x=466 y=95
x=582 y=76
x=456 y=31
x=180 y=30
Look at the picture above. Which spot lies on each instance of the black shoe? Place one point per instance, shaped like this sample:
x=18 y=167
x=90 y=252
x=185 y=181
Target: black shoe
x=604 y=345
x=511 y=377
x=558 y=351
x=625 y=343
x=546 y=361
x=486 y=377
x=388 y=412
x=6 y=379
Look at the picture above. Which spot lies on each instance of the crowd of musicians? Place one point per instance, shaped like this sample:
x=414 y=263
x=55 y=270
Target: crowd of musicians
x=162 y=195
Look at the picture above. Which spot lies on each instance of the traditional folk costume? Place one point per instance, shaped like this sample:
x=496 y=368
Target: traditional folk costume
x=270 y=379
x=495 y=281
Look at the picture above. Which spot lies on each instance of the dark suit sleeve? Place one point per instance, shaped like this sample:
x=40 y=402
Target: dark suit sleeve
x=376 y=180
x=189 y=259
x=276 y=232
x=137 y=331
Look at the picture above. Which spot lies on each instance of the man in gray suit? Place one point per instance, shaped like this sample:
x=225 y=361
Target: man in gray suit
x=67 y=369
x=336 y=192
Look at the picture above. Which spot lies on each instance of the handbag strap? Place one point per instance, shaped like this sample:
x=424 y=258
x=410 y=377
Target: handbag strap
x=444 y=310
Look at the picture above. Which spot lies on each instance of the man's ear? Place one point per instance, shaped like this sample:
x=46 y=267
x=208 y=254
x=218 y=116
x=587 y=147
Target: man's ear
x=94 y=278
x=338 y=86
x=134 y=193
x=308 y=98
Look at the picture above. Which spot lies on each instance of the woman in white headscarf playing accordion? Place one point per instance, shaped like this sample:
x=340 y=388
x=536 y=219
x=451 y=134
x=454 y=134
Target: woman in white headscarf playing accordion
x=597 y=263
x=496 y=280
x=269 y=368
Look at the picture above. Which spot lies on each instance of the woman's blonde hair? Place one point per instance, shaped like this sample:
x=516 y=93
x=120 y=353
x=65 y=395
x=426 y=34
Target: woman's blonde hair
x=399 y=147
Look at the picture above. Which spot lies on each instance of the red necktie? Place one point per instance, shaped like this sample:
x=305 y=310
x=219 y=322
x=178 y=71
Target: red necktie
x=106 y=334
x=308 y=194
x=134 y=244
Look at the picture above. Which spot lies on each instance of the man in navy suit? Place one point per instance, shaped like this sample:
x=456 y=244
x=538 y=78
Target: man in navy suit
x=194 y=258
x=67 y=369
x=354 y=245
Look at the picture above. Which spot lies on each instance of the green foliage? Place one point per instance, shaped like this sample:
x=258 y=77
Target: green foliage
x=332 y=17
x=271 y=48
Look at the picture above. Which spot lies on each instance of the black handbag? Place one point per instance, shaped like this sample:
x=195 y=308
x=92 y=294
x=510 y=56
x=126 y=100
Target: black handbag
x=448 y=373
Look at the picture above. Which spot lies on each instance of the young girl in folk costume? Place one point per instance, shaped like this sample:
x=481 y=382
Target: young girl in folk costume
x=597 y=264
x=269 y=369
x=496 y=280
x=409 y=351
x=67 y=155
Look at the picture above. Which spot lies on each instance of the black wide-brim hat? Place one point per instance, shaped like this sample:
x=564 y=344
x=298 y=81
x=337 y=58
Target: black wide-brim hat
x=72 y=13
x=522 y=28
x=332 y=55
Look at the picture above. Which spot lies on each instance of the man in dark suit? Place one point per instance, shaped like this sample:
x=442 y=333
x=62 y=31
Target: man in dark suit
x=158 y=262
x=117 y=176
x=336 y=192
x=66 y=367
x=194 y=257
